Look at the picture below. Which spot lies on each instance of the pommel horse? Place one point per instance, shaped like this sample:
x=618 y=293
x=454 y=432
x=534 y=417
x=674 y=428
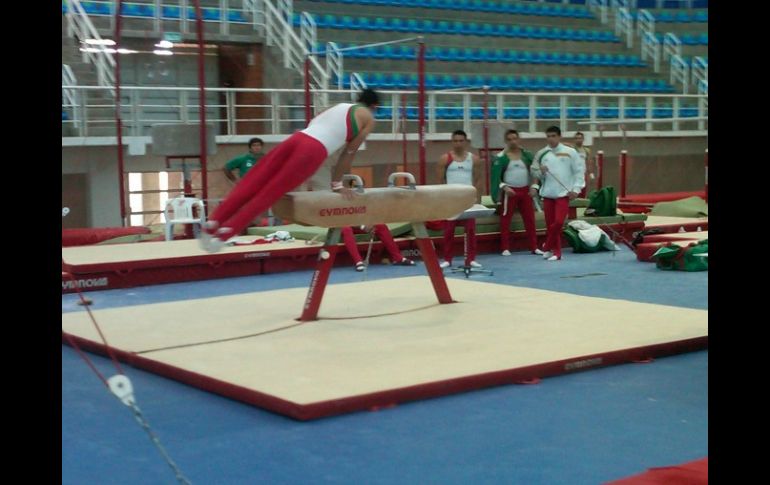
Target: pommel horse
x=412 y=203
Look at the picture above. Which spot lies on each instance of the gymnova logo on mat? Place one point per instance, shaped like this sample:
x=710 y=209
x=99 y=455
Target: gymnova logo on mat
x=580 y=364
x=87 y=283
x=342 y=211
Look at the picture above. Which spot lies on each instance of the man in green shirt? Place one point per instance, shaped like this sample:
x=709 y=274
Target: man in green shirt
x=244 y=162
x=512 y=186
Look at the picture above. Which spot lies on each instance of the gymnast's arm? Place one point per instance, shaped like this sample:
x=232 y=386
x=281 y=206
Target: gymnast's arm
x=477 y=169
x=345 y=161
x=441 y=168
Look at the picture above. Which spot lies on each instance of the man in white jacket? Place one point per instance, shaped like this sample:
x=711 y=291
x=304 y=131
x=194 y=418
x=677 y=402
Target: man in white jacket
x=559 y=174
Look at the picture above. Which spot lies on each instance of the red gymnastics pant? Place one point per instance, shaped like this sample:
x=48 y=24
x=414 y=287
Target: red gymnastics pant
x=520 y=198
x=555 y=213
x=284 y=168
x=383 y=234
x=470 y=238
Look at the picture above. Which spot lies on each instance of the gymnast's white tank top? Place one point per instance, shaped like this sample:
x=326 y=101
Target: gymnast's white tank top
x=460 y=172
x=334 y=127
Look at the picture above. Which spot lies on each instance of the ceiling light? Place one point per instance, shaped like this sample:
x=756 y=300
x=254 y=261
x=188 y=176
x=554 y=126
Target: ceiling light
x=100 y=42
x=162 y=52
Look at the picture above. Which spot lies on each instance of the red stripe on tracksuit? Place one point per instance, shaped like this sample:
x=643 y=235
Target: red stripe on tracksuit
x=519 y=198
x=555 y=213
x=282 y=169
x=470 y=238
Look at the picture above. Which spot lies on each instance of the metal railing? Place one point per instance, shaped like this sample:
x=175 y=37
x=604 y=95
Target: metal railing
x=446 y=111
x=645 y=22
x=700 y=71
x=79 y=25
x=624 y=26
x=671 y=45
x=70 y=97
x=600 y=6
x=651 y=49
x=334 y=63
x=308 y=31
x=680 y=72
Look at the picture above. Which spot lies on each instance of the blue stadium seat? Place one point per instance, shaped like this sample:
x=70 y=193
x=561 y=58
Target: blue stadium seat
x=516 y=113
x=384 y=113
x=498 y=55
x=133 y=10
x=701 y=16
x=624 y=85
x=431 y=81
x=500 y=30
x=447 y=81
x=443 y=27
x=171 y=12
x=364 y=23
x=377 y=79
x=455 y=54
x=466 y=54
x=397 y=25
x=472 y=28
x=703 y=39
x=582 y=85
x=399 y=81
x=381 y=24
x=662 y=112
x=487 y=30
x=236 y=16
x=682 y=17
x=636 y=112
x=346 y=22
x=212 y=14
x=405 y=52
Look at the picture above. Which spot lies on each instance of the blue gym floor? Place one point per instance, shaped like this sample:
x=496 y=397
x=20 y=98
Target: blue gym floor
x=585 y=428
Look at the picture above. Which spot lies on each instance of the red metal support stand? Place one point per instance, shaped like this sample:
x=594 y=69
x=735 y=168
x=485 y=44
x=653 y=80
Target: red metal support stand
x=321 y=276
x=429 y=257
x=706 y=188
x=623 y=161
x=421 y=107
x=599 y=169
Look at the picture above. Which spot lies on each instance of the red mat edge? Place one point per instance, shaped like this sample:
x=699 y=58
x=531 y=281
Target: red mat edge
x=393 y=397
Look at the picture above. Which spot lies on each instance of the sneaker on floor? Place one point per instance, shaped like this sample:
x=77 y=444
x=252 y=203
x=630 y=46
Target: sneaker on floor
x=547 y=254
x=474 y=264
x=538 y=252
x=553 y=258
x=404 y=262
x=360 y=266
x=445 y=264
x=506 y=253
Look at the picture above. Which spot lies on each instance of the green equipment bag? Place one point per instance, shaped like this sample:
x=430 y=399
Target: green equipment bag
x=672 y=256
x=602 y=202
x=580 y=246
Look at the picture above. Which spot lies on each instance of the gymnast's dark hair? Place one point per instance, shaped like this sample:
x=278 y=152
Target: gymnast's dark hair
x=369 y=97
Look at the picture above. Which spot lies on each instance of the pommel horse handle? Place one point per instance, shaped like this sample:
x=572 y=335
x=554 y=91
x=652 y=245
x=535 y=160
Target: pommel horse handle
x=358 y=183
x=392 y=179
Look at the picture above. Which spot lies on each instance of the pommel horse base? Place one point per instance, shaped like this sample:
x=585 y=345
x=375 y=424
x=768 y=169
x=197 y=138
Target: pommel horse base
x=413 y=203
